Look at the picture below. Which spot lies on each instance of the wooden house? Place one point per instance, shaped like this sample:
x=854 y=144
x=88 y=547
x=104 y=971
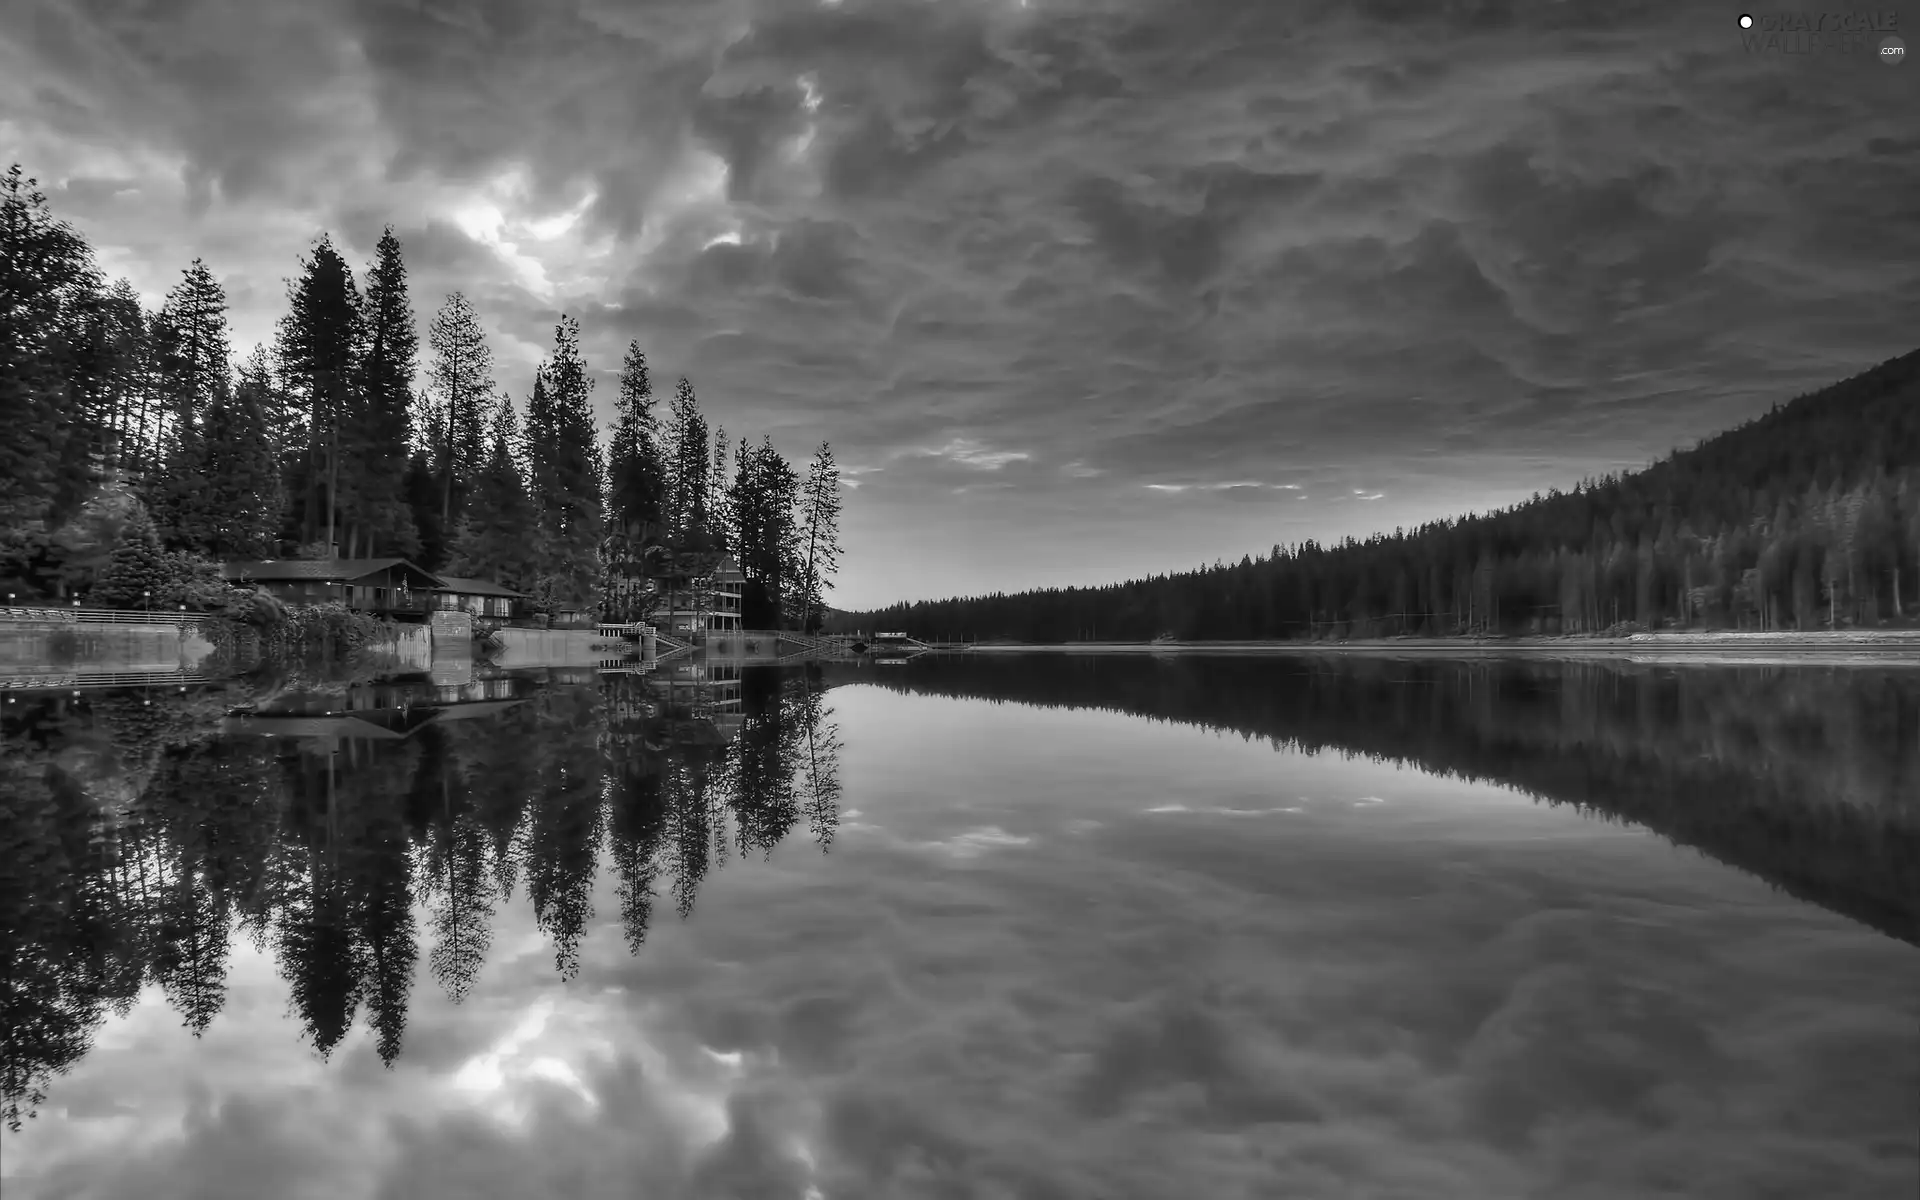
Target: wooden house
x=388 y=586
x=479 y=597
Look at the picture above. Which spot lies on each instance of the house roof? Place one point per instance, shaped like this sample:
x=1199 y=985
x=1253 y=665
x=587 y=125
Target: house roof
x=474 y=587
x=315 y=568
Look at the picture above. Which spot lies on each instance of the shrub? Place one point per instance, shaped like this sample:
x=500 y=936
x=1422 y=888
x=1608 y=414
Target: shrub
x=329 y=628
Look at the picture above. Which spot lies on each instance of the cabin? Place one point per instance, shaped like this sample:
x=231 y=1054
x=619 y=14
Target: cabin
x=388 y=586
x=479 y=597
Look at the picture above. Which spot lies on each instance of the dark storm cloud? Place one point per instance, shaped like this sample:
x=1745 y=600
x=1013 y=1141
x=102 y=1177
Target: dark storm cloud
x=1132 y=242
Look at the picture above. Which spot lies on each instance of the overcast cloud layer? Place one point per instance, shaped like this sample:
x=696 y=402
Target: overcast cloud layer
x=1077 y=288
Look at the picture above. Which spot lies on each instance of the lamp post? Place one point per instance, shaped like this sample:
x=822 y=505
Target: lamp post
x=146 y=603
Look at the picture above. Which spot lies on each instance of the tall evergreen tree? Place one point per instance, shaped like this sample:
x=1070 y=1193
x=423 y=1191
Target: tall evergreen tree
x=819 y=537
x=491 y=540
x=564 y=476
x=319 y=347
x=637 y=474
x=231 y=504
x=195 y=353
x=125 y=328
x=687 y=462
x=46 y=274
x=762 y=502
x=461 y=376
x=382 y=432
x=720 y=519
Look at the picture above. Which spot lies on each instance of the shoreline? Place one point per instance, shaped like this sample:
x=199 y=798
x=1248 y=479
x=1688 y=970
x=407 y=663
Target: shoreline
x=1902 y=646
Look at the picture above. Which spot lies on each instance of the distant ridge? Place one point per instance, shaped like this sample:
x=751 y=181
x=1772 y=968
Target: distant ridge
x=1806 y=517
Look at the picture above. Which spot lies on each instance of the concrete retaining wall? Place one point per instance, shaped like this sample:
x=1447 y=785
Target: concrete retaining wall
x=35 y=647
x=549 y=647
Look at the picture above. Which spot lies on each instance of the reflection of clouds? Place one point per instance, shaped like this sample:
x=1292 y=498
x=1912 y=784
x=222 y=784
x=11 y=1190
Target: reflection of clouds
x=1210 y=1008
x=972 y=843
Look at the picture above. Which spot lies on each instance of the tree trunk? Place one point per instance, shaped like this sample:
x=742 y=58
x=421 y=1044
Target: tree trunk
x=333 y=485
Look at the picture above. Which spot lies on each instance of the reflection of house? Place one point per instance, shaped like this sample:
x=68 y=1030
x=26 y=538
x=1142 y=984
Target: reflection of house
x=373 y=713
x=477 y=596
x=690 y=702
x=698 y=594
x=382 y=585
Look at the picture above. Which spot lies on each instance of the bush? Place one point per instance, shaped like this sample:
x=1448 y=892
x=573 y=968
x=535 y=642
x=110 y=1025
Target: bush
x=195 y=581
x=329 y=628
x=252 y=606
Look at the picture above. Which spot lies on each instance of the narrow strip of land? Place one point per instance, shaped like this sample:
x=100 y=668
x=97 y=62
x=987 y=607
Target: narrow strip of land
x=1803 y=646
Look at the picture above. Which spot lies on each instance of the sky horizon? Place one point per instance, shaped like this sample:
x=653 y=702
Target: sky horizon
x=1079 y=290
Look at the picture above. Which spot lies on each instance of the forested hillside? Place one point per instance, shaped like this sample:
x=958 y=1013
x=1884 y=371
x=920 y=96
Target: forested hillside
x=1805 y=518
x=137 y=453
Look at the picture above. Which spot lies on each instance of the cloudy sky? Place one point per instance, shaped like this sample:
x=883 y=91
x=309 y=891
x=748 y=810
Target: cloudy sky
x=1077 y=288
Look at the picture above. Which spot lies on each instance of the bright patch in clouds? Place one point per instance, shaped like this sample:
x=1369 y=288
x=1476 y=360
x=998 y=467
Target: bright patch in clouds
x=970 y=453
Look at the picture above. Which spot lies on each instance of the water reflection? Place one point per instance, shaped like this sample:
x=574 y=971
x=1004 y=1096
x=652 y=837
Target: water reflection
x=1808 y=777
x=1056 y=951
x=141 y=831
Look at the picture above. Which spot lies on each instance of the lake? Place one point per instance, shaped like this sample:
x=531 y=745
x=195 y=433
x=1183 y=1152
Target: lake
x=973 y=926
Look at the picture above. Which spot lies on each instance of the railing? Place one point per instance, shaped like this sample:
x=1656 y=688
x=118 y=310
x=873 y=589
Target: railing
x=100 y=679
x=399 y=606
x=99 y=616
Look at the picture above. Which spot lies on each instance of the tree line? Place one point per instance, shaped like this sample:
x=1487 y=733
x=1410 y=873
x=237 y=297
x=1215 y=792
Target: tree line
x=136 y=840
x=1806 y=518
x=141 y=454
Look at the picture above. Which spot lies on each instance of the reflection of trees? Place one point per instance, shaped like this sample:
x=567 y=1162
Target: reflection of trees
x=138 y=832
x=1808 y=777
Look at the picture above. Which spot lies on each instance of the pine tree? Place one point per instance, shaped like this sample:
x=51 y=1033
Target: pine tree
x=762 y=502
x=637 y=474
x=46 y=274
x=819 y=534
x=423 y=500
x=319 y=347
x=230 y=506
x=381 y=431
x=492 y=539
x=461 y=376
x=720 y=519
x=125 y=328
x=194 y=362
x=564 y=476
x=137 y=573
x=687 y=463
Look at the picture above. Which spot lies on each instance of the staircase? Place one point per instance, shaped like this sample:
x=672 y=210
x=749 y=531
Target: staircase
x=668 y=647
x=813 y=646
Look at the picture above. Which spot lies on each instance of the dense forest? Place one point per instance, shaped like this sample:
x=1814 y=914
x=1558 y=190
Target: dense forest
x=139 y=454
x=138 y=838
x=1805 y=518
x=1806 y=777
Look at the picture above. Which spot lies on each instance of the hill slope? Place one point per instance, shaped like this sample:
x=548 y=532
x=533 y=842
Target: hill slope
x=1804 y=518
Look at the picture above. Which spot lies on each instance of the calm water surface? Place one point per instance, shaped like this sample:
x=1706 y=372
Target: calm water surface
x=969 y=927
